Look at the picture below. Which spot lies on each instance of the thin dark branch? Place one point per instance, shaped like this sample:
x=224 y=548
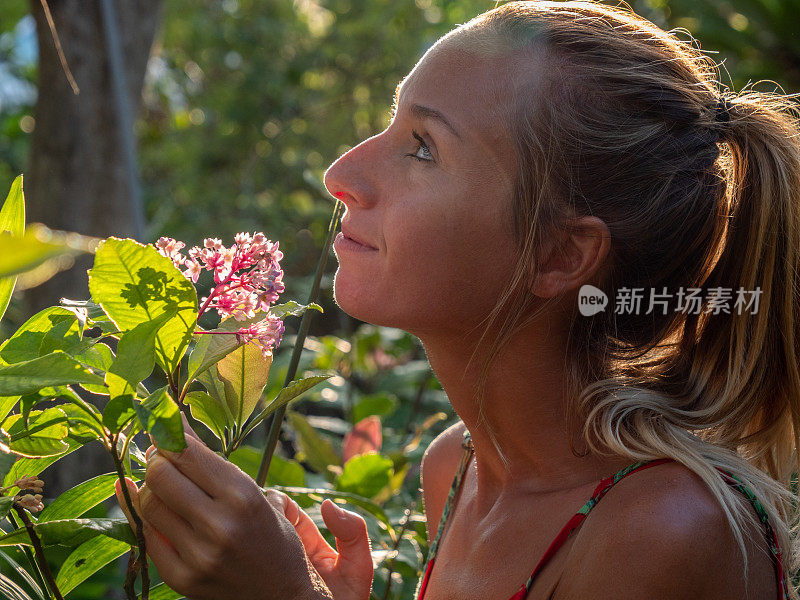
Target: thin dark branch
x=59 y=50
x=41 y=559
x=141 y=562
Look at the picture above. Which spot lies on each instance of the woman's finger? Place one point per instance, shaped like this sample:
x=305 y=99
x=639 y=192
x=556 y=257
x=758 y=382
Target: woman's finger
x=352 y=541
x=315 y=545
x=211 y=473
x=176 y=491
x=168 y=562
x=175 y=530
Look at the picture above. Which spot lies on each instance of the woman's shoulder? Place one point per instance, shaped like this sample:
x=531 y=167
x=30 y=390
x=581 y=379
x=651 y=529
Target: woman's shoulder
x=660 y=533
x=439 y=465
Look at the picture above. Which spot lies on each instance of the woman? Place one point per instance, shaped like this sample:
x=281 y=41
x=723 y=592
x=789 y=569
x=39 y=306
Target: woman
x=537 y=149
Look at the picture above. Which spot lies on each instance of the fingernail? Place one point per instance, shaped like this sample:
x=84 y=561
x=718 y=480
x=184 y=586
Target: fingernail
x=150 y=451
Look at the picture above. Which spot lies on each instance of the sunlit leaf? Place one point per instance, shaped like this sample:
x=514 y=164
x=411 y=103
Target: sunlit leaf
x=53 y=369
x=244 y=373
x=159 y=415
x=12 y=220
x=208 y=411
x=135 y=284
x=72 y=532
x=87 y=559
x=365 y=475
x=318 y=452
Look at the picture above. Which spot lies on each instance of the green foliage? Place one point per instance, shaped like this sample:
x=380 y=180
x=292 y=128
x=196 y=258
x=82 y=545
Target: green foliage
x=134 y=284
x=72 y=532
x=365 y=475
x=159 y=415
x=88 y=558
x=12 y=221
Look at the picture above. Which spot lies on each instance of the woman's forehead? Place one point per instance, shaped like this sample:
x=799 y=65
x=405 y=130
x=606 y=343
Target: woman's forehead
x=474 y=89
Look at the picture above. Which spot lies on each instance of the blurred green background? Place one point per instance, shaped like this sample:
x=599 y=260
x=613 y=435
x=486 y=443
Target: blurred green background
x=243 y=105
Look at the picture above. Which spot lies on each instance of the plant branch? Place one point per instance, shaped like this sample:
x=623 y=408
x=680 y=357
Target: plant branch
x=305 y=323
x=37 y=571
x=39 y=552
x=59 y=50
x=141 y=561
x=403 y=525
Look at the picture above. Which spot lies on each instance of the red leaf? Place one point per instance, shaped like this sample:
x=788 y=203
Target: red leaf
x=365 y=437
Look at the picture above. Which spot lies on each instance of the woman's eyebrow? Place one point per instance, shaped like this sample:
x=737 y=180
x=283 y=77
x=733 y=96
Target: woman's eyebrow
x=424 y=112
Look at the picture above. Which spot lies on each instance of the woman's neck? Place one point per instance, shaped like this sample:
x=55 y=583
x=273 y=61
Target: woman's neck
x=524 y=404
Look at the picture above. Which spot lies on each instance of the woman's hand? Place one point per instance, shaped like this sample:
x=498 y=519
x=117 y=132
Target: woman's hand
x=213 y=535
x=348 y=570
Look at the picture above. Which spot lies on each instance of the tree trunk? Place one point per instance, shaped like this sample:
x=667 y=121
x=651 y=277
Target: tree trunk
x=77 y=178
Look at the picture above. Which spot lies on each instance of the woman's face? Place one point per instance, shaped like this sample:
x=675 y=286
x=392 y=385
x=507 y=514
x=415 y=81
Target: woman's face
x=429 y=198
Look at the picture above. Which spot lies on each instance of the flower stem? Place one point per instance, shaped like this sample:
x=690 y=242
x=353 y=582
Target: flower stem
x=305 y=323
x=134 y=566
x=41 y=560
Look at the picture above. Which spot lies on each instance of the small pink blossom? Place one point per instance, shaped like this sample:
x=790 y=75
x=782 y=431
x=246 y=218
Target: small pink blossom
x=171 y=249
x=266 y=334
x=247 y=278
x=192 y=270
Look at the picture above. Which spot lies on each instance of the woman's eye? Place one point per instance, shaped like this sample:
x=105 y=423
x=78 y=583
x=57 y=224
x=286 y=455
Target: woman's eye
x=423 y=153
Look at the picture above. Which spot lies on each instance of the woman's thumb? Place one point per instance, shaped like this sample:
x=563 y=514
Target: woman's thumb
x=352 y=541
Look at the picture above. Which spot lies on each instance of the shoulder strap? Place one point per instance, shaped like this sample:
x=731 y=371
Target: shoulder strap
x=602 y=488
x=454 y=487
x=772 y=538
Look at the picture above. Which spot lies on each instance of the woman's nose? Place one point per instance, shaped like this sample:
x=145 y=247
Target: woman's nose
x=349 y=178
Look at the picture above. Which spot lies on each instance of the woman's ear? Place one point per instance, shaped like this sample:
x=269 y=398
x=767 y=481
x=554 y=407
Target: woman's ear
x=574 y=257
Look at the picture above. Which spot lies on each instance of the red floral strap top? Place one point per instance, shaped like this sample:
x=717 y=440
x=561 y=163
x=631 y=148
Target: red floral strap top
x=602 y=488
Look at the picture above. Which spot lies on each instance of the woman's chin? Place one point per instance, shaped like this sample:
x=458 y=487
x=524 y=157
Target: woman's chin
x=358 y=300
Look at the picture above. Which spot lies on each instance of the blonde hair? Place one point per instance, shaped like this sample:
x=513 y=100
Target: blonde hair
x=621 y=125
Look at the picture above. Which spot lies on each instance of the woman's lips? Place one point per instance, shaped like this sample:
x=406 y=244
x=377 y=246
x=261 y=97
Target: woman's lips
x=343 y=242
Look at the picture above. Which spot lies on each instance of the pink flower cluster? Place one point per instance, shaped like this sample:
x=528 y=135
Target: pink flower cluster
x=247 y=277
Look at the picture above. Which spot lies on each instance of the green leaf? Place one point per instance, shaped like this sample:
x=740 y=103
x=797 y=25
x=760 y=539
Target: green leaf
x=293 y=390
x=43 y=437
x=19 y=254
x=87 y=559
x=76 y=501
x=7 y=404
x=72 y=532
x=286 y=395
x=6 y=502
x=319 y=452
x=210 y=348
x=135 y=284
x=308 y=496
x=118 y=412
x=11 y=590
x=135 y=355
x=83 y=426
x=12 y=220
x=162 y=592
x=34 y=466
x=23 y=573
x=53 y=369
x=293 y=309
x=281 y=471
x=244 y=373
x=365 y=475
x=100 y=357
x=160 y=416
x=26 y=342
x=208 y=411
x=380 y=404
